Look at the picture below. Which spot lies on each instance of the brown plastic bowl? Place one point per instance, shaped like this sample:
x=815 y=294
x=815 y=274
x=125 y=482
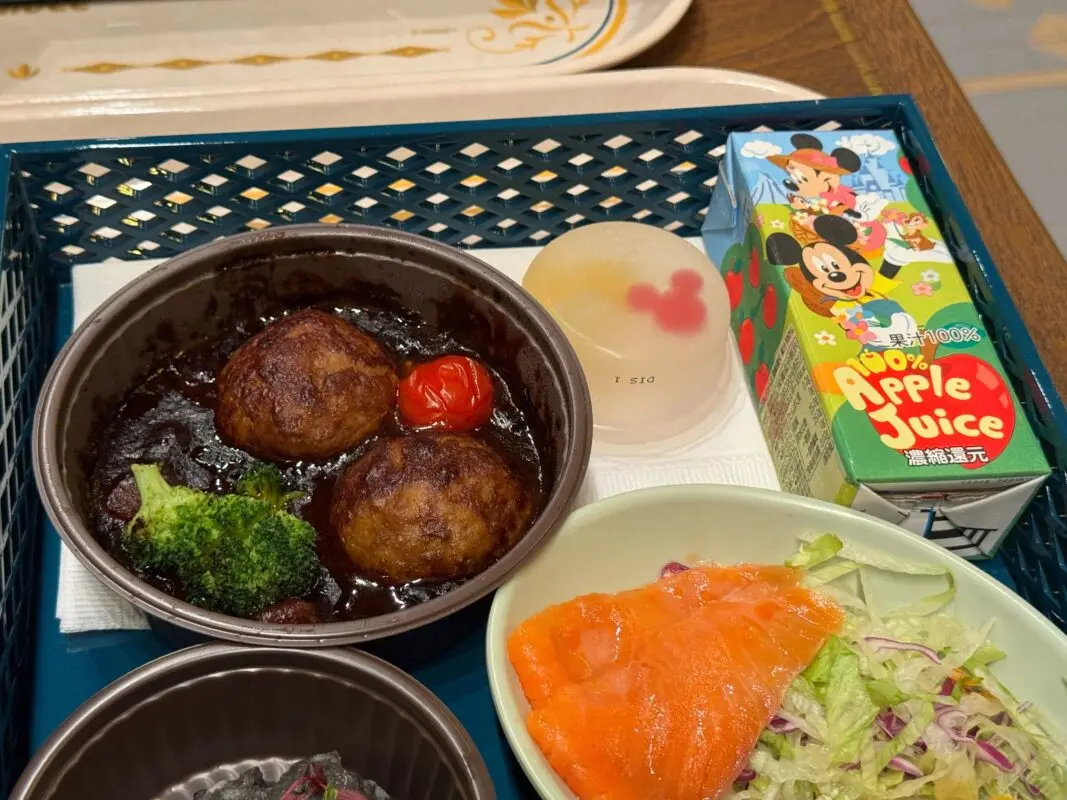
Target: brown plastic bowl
x=206 y=714
x=202 y=292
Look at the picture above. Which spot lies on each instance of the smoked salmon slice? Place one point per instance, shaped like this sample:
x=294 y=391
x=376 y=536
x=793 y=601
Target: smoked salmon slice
x=679 y=719
x=578 y=640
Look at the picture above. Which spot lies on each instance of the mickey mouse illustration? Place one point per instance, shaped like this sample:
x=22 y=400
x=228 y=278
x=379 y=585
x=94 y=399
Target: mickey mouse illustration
x=836 y=281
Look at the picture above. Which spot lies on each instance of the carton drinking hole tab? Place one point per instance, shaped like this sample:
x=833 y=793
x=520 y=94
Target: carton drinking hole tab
x=648 y=316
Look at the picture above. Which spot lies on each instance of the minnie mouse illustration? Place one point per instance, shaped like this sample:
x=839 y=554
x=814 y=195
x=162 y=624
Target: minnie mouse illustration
x=814 y=174
x=836 y=281
x=815 y=185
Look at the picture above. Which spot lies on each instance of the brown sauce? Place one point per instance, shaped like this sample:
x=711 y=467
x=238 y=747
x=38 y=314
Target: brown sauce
x=168 y=418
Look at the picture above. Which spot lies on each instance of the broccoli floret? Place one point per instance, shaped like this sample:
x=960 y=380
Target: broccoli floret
x=264 y=482
x=234 y=553
x=169 y=523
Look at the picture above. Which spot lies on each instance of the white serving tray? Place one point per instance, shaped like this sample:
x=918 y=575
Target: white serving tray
x=288 y=109
x=129 y=52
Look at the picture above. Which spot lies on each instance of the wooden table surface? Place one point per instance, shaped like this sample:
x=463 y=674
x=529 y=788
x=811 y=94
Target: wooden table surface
x=855 y=47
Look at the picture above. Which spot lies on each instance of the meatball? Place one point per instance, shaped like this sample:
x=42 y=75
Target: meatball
x=306 y=387
x=430 y=505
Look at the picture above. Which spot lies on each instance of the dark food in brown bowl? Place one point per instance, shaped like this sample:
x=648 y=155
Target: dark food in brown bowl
x=414 y=514
x=136 y=384
x=439 y=505
x=199 y=718
x=309 y=386
x=322 y=777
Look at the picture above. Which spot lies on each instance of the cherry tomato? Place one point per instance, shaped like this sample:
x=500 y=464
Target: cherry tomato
x=453 y=393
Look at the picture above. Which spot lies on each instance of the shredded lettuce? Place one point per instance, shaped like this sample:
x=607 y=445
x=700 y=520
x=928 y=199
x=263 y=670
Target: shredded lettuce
x=816 y=551
x=984 y=655
x=901 y=705
x=849 y=710
x=885 y=693
x=818 y=671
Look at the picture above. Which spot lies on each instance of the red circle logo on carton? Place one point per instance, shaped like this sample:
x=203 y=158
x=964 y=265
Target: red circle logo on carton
x=958 y=410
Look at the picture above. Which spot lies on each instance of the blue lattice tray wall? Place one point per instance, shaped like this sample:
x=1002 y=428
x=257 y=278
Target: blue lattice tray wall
x=488 y=187
x=517 y=182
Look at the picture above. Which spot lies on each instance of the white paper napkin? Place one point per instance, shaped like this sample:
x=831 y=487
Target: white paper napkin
x=732 y=451
x=82 y=602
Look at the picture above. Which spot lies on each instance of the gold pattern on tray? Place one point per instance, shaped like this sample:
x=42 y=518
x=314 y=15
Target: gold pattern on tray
x=533 y=23
x=23 y=72
x=254 y=60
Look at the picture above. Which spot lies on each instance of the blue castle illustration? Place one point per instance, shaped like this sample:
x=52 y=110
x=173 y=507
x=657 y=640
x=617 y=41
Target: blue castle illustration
x=888 y=182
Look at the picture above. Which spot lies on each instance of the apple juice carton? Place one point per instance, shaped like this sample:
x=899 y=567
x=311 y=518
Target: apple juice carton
x=877 y=385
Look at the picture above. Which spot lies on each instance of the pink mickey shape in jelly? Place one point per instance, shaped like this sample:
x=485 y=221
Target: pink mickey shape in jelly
x=687 y=281
x=642 y=297
x=677 y=310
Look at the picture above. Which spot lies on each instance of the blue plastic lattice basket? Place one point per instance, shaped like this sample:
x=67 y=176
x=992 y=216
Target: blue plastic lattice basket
x=24 y=352
x=515 y=182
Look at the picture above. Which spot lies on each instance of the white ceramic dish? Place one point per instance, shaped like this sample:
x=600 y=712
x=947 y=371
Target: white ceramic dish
x=134 y=50
x=622 y=543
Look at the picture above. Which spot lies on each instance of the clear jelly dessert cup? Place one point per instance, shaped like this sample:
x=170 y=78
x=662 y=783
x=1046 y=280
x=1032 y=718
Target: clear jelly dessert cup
x=648 y=316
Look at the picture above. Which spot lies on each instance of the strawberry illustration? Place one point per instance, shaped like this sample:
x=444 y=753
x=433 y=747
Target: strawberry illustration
x=762 y=378
x=770 y=307
x=735 y=287
x=753 y=267
x=905 y=165
x=746 y=339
